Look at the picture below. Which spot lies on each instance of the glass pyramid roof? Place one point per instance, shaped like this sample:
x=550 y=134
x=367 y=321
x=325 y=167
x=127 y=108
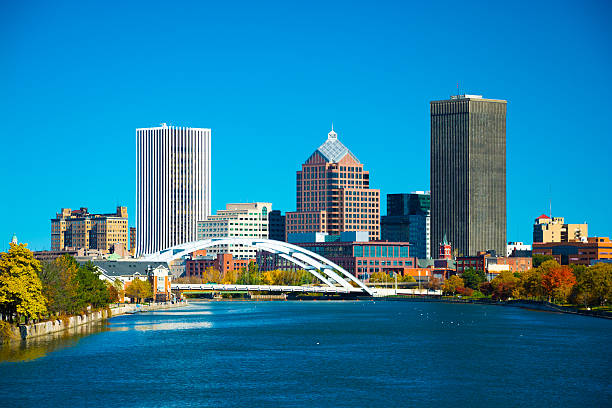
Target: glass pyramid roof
x=333 y=150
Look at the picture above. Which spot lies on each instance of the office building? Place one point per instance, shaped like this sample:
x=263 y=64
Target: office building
x=468 y=173
x=276 y=225
x=547 y=229
x=172 y=185
x=245 y=220
x=224 y=263
x=585 y=252
x=73 y=229
x=408 y=220
x=334 y=194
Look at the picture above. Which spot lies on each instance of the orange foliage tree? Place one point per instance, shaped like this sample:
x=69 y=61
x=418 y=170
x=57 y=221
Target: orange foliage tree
x=558 y=283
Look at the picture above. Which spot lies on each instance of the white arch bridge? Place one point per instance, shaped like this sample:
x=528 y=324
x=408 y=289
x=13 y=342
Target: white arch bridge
x=336 y=278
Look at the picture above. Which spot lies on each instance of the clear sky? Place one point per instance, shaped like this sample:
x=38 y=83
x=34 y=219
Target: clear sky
x=77 y=78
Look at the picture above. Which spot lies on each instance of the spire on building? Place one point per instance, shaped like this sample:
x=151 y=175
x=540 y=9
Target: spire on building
x=14 y=240
x=332 y=134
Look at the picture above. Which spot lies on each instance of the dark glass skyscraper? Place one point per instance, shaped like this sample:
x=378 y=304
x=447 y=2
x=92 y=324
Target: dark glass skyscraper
x=468 y=173
x=407 y=220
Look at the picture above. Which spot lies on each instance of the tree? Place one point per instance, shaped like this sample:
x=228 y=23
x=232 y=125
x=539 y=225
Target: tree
x=452 y=284
x=594 y=286
x=504 y=286
x=20 y=287
x=139 y=290
x=249 y=275
x=60 y=285
x=537 y=260
x=558 y=283
x=90 y=289
x=473 y=278
x=434 y=284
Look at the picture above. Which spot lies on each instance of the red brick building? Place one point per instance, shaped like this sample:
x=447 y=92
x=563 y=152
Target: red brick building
x=222 y=262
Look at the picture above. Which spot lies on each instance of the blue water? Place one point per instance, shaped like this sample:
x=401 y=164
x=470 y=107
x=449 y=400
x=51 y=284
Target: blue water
x=329 y=354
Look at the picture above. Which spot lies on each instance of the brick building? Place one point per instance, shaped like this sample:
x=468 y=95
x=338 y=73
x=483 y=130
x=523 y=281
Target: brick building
x=576 y=252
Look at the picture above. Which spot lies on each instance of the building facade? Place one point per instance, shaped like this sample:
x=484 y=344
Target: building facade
x=584 y=252
x=547 y=229
x=358 y=256
x=81 y=229
x=334 y=194
x=276 y=225
x=243 y=220
x=408 y=220
x=224 y=263
x=468 y=173
x=517 y=247
x=172 y=185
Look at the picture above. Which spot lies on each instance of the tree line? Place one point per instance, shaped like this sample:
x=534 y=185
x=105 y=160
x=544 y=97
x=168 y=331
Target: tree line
x=31 y=290
x=576 y=284
x=251 y=275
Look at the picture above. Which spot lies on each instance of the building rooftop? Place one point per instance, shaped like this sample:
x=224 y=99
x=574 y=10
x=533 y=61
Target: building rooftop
x=333 y=150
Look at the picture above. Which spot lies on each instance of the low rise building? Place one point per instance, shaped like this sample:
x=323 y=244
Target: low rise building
x=126 y=271
x=584 y=252
x=516 y=247
x=353 y=251
x=491 y=264
x=223 y=263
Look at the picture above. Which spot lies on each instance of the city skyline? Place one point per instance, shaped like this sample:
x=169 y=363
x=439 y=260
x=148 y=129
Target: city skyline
x=83 y=100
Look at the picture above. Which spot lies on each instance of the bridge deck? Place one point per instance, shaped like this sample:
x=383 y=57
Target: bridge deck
x=262 y=288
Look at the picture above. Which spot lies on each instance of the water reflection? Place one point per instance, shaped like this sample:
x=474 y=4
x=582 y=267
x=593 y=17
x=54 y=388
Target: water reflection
x=37 y=347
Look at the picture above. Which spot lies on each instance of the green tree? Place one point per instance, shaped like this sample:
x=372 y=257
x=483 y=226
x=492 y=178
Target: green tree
x=90 y=288
x=473 y=278
x=537 y=260
x=249 y=275
x=594 y=285
x=20 y=287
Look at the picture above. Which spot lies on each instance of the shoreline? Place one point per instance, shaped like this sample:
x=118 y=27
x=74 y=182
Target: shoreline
x=26 y=332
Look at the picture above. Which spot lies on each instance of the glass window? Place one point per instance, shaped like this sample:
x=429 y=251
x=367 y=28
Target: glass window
x=358 y=250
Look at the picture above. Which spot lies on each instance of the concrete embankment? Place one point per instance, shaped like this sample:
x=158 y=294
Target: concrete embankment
x=28 y=331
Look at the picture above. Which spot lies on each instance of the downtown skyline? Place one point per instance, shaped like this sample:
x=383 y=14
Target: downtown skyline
x=263 y=129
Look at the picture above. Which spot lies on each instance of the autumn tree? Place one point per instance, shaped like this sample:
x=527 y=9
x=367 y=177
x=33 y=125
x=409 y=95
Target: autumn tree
x=434 y=284
x=249 y=275
x=558 y=283
x=60 y=285
x=139 y=290
x=504 y=286
x=537 y=260
x=20 y=287
x=452 y=284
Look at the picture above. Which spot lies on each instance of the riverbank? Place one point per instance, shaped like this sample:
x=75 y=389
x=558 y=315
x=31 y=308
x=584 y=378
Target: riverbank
x=28 y=331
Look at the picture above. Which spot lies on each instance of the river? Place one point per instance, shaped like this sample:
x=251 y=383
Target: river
x=319 y=353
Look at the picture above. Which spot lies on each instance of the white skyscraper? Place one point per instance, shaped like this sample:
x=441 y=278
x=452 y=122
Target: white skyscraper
x=172 y=185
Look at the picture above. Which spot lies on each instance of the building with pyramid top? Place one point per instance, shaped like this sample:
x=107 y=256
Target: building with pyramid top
x=334 y=194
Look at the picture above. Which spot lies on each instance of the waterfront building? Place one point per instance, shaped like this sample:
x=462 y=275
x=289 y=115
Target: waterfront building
x=516 y=247
x=242 y=220
x=547 y=229
x=492 y=264
x=585 y=252
x=334 y=194
x=468 y=173
x=408 y=220
x=353 y=251
x=223 y=263
x=276 y=225
x=445 y=249
x=172 y=185
x=81 y=229
x=127 y=271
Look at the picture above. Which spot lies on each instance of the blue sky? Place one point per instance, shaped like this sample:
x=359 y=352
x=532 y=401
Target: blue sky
x=269 y=78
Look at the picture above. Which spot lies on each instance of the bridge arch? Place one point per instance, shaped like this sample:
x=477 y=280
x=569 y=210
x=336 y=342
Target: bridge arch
x=319 y=266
